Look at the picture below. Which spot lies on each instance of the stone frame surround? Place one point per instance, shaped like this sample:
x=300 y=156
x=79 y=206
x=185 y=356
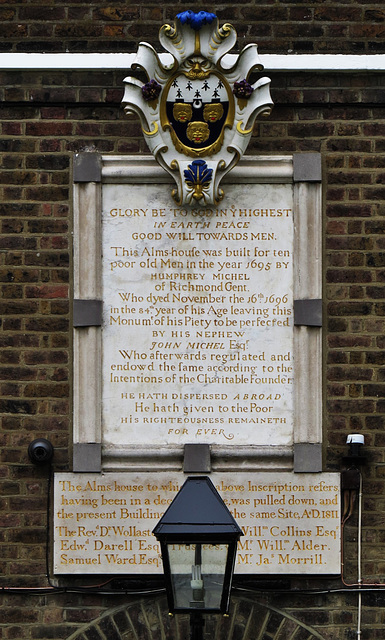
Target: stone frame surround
x=91 y=170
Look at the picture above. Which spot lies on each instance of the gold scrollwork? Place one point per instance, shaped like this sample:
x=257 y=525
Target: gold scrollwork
x=243 y=132
x=177 y=193
x=172 y=34
x=221 y=34
x=153 y=132
x=197 y=48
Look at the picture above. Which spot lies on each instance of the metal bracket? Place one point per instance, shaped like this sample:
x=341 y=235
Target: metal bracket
x=197 y=458
x=307 y=457
x=87 y=457
x=87 y=313
x=307 y=167
x=308 y=312
x=87 y=167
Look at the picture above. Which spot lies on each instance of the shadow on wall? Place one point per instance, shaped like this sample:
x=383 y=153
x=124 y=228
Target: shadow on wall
x=149 y=620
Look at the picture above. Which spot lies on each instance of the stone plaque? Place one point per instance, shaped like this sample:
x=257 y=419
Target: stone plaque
x=198 y=317
x=103 y=522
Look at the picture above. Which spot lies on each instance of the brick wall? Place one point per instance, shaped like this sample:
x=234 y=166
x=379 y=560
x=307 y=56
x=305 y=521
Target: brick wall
x=46 y=117
x=278 y=26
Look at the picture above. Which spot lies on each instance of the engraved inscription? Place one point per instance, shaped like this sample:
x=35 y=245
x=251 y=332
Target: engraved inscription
x=103 y=523
x=198 y=327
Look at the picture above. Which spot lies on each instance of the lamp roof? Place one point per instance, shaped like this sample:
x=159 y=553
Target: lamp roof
x=198 y=509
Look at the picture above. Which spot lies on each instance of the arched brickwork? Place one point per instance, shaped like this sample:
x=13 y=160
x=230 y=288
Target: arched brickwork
x=148 y=620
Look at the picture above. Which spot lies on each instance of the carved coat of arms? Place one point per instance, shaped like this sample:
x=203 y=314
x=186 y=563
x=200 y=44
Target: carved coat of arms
x=197 y=113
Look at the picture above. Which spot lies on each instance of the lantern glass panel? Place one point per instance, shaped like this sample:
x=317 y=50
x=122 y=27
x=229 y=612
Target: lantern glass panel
x=197 y=574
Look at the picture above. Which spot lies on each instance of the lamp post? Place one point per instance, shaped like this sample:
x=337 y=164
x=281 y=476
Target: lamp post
x=198 y=539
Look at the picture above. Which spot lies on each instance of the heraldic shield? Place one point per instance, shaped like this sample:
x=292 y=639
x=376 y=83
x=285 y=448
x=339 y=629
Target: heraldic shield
x=196 y=108
x=197 y=111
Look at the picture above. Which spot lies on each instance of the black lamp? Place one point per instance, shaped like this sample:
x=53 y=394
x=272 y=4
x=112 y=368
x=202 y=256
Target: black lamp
x=198 y=538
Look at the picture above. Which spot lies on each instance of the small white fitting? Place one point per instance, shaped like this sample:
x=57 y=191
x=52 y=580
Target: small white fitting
x=355 y=438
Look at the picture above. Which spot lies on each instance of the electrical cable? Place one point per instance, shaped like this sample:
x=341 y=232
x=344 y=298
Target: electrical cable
x=345 y=517
x=161 y=591
x=38 y=591
x=359 y=560
x=311 y=591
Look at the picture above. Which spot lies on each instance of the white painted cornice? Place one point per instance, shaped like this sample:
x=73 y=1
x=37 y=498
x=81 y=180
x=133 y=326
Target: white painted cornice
x=122 y=61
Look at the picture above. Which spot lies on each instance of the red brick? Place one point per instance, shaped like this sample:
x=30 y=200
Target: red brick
x=47 y=291
x=338 y=14
x=41 y=13
x=348 y=210
x=348 y=275
x=12 y=128
x=57 y=128
x=349 y=373
x=117 y=14
x=53 y=113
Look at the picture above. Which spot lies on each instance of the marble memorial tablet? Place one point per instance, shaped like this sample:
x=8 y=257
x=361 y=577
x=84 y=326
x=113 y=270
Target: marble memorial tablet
x=103 y=522
x=198 y=317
